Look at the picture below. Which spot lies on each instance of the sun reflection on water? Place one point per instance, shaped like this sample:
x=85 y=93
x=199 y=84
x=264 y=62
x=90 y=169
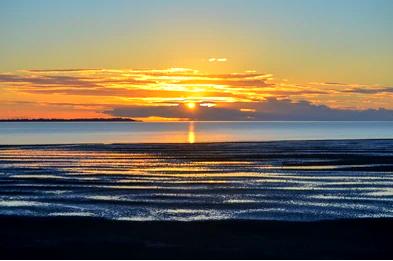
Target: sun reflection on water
x=191 y=133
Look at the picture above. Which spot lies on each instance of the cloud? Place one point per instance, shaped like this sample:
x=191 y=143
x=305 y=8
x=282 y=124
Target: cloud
x=370 y=90
x=103 y=78
x=270 y=110
x=118 y=92
x=202 y=113
x=274 y=109
x=51 y=80
x=218 y=60
x=237 y=95
x=287 y=93
x=230 y=83
x=334 y=83
x=65 y=80
x=178 y=83
x=62 y=70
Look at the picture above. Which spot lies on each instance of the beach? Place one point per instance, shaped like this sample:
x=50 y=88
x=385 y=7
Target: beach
x=194 y=129
x=89 y=238
x=277 y=199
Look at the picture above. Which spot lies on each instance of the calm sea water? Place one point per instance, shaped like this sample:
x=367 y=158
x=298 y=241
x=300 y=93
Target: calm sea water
x=186 y=132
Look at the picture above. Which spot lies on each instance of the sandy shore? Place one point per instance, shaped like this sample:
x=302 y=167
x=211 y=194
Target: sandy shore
x=292 y=181
x=76 y=238
x=65 y=201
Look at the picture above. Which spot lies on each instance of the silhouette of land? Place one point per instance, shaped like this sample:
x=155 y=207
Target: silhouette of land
x=68 y=120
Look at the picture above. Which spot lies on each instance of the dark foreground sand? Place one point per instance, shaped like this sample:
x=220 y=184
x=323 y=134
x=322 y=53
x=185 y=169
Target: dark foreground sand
x=84 y=238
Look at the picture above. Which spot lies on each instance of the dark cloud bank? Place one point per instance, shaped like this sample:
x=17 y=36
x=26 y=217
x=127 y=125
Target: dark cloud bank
x=269 y=110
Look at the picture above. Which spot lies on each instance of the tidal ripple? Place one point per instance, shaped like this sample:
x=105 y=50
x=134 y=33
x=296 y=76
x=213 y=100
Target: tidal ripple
x=288 y=180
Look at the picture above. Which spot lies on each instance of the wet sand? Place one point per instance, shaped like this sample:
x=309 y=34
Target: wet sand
x=85 y=238
x=289 y=181
x=287 y=200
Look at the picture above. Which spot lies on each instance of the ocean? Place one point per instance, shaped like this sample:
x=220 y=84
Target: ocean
x=186 y=132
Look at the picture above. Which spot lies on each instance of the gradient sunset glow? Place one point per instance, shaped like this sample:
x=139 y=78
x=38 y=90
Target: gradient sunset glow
x=201 y=60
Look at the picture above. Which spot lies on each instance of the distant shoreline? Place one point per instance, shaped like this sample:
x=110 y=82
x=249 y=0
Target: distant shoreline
x=71 y=120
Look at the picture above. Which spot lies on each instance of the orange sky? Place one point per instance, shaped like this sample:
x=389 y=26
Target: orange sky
x=79 y=93
x=236 y=60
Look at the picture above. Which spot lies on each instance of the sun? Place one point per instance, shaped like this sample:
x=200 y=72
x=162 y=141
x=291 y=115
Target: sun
x=191 y=105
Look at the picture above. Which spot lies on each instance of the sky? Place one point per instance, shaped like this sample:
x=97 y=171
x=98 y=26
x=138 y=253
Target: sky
x=197 y=60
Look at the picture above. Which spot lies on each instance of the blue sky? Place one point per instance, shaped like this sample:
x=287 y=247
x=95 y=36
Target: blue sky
x=297 y=39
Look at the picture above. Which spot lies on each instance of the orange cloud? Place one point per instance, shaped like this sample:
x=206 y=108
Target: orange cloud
x=218 y=60
x=170 y=87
